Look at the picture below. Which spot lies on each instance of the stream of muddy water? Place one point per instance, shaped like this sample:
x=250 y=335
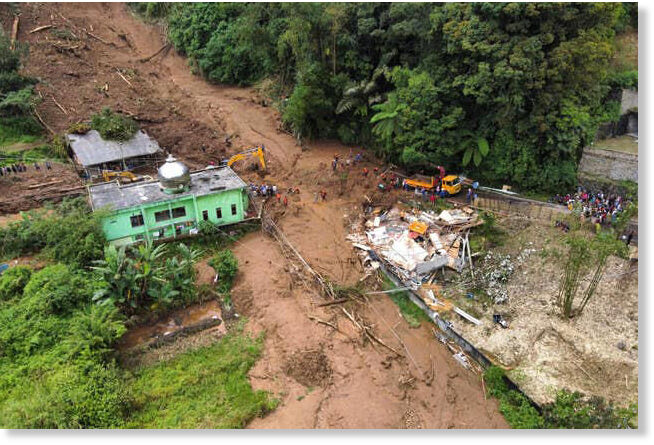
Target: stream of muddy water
x=174 y=321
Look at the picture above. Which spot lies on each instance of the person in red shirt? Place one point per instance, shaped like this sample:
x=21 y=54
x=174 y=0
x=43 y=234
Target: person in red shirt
x=285 y=201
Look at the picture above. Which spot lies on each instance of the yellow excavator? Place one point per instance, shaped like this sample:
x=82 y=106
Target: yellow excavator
x=257 y=152
x=123 y=176
x=109 y=175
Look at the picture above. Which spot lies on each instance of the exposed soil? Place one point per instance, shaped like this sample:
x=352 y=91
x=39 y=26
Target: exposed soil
x=362 y=385
x=367 y=387
x=17 y=196
x=309 y=368
x=595 y=353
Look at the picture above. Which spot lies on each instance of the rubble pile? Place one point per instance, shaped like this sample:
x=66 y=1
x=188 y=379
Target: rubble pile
x=496 y=271
x=416 y=244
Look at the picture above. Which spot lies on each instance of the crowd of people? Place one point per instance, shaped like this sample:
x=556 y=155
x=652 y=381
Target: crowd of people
x=599 y=207
x=272 y=191
x=21 y=167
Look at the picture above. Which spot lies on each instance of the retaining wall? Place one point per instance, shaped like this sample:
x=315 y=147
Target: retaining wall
x=608 y=164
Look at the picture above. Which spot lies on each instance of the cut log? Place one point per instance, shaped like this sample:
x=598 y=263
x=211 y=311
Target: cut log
x=44 y=184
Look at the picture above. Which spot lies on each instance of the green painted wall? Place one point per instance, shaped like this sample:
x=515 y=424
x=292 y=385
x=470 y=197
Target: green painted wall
x=118 y=227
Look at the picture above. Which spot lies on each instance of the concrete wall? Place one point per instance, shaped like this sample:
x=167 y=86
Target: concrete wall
x=629 y=101
x=613 y=165
x=118 y=228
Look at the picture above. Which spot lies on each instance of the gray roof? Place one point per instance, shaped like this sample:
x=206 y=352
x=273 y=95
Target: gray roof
x=91 y=149
x=204 y=182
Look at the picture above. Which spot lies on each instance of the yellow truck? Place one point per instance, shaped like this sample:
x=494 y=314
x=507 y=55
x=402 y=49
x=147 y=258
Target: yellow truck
x=450 y=184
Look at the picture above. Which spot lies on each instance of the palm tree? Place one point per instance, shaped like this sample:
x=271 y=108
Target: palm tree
x=386 y=120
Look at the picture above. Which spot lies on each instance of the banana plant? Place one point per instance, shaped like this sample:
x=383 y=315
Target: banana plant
x=476 y=153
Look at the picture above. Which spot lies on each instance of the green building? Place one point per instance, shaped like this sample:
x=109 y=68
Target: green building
x=172 y=206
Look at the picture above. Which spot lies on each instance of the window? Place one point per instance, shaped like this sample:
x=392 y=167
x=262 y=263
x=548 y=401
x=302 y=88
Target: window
x=233 y=209
x=219 y=212
x=164 y=215
x=205 y=215
x=178 y=212
x=136 y=220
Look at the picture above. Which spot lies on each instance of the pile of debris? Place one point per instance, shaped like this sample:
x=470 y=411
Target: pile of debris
x=496 y=269
x=416 y=244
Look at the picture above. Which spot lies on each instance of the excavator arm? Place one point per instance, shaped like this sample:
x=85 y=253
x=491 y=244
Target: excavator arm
x=257 y=152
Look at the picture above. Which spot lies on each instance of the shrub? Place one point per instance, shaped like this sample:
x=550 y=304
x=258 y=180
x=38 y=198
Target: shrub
x=114 y=126
x=226 y=265
x=57 y=289
x=71 y=235
x=12 y=282
x=79 y=128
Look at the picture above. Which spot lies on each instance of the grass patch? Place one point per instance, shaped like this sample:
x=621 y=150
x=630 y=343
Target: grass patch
x=13 y=134
x=411 y=313
x=29 y=156
x=204 y=388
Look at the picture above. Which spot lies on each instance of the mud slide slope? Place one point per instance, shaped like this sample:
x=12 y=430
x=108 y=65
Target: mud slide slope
x=324 y=378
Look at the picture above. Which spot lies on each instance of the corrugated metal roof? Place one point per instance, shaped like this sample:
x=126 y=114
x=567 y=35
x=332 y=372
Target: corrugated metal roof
x=114 y=196
x=90 y=149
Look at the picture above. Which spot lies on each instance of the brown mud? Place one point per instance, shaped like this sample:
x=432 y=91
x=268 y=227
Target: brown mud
x=360 y=385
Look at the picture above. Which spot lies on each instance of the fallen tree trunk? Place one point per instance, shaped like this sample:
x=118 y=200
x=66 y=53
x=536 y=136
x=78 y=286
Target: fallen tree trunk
x=147 y=59
x=14 y=32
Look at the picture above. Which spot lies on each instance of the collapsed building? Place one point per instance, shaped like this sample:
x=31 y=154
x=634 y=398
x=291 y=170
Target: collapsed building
x=416 y=245
x=92 y=155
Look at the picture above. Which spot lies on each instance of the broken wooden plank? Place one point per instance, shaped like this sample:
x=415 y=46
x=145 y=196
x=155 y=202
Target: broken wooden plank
x=40 y=28
x=38 y=116
x=124 y=78
x=467 y=316
x=99 y=39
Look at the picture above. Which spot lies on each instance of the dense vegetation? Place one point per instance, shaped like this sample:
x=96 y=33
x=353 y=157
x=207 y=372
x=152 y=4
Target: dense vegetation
x=111 y=125
x=569 y=410
x=58 y=365
x=512 y=90
x=17 y=98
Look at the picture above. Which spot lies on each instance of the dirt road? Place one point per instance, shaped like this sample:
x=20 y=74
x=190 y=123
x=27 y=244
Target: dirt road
x=324 y=378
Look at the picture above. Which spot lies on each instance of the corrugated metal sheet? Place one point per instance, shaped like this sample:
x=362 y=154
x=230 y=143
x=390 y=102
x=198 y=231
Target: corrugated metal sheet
x=90 y=149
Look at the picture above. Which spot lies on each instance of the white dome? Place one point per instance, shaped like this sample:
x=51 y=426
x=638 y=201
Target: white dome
x=174 y=175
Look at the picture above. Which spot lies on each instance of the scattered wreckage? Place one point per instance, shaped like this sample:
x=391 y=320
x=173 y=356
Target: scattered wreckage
x=416 y=245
